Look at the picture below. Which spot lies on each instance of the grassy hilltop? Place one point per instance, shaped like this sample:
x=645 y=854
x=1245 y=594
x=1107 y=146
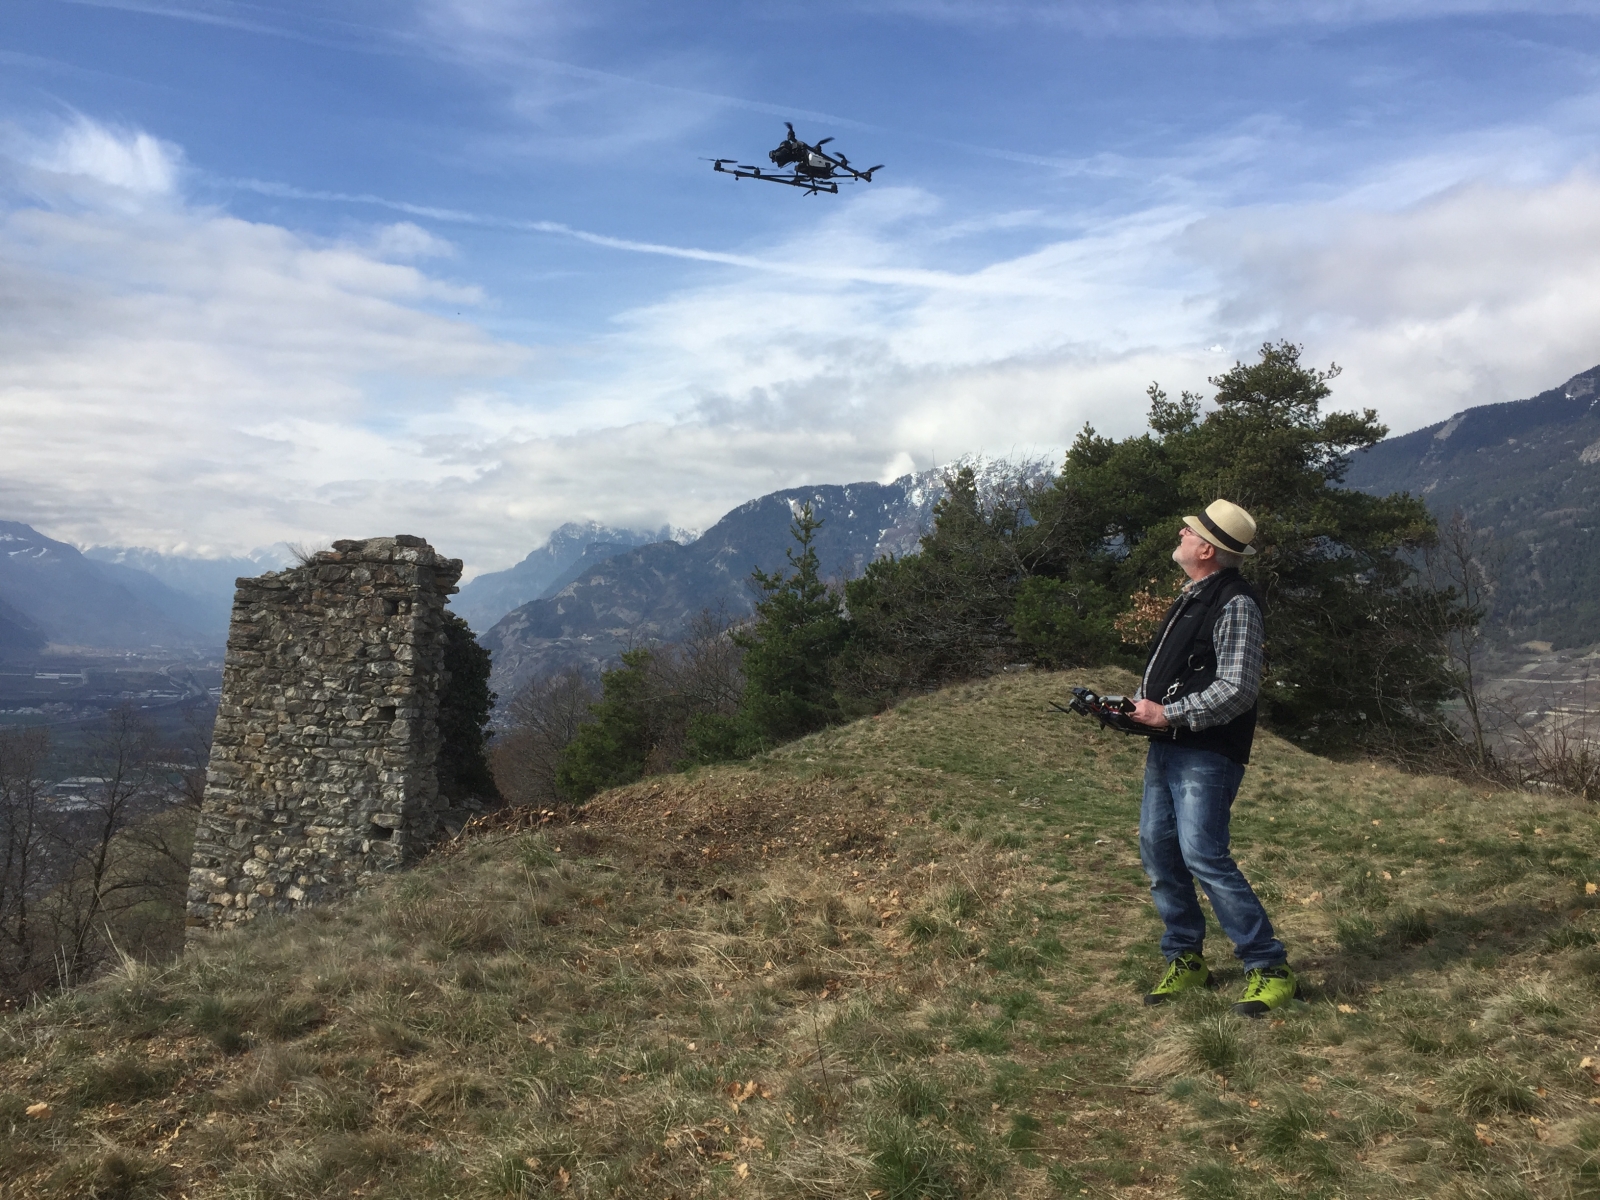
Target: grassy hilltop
x=898 y=959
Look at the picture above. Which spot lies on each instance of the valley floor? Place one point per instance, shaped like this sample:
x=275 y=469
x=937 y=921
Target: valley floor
x=899 y=959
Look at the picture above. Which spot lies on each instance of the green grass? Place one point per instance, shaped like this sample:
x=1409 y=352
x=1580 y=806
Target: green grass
x=902 y=958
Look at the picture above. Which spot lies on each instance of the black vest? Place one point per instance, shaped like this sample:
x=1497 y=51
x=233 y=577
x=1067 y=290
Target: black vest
x=1183 y=661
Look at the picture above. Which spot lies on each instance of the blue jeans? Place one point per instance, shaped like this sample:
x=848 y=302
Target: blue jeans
x=1183 y=838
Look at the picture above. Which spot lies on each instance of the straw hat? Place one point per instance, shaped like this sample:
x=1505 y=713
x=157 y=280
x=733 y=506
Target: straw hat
x=1226 y=526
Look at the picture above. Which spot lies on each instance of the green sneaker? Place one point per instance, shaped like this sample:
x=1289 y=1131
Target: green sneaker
x=1266 y=988
x=1184 y=972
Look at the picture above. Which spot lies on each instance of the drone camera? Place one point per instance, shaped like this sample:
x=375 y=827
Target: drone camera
x=810 y=167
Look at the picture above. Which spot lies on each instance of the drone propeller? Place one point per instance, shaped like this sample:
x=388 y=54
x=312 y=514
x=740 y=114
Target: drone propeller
x=823 y=142
x=867 y=174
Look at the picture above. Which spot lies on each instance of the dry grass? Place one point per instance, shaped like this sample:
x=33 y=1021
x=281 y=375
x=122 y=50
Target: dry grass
x=900 y=959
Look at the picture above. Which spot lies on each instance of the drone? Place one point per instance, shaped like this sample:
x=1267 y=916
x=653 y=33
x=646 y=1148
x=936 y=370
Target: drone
x=810 y=167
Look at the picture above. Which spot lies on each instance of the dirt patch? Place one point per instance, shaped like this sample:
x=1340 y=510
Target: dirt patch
x=740 y=821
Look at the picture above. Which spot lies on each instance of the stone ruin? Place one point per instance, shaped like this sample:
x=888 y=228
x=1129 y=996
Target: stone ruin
x=323 y=765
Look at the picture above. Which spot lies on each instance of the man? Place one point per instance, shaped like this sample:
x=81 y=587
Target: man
x=1200 y=685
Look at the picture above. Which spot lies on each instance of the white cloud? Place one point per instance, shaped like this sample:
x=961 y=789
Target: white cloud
x=171 y=375
x=130 y=160
x=406 y=240
x=1480 y=294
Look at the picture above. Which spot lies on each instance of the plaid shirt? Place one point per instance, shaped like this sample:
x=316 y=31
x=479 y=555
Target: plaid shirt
x=1238 y=639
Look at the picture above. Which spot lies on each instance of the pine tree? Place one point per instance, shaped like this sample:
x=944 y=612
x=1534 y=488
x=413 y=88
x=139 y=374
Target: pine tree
x=613 y=747
x=790 y=648
x=942 y=613
x=1355 y=639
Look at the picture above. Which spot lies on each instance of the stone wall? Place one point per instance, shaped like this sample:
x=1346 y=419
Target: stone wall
x=322 y=766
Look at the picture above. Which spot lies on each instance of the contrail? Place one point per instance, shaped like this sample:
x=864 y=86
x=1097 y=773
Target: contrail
x=889 y=276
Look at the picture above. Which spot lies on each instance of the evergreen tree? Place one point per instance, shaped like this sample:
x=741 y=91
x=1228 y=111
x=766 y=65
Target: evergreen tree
x=464 y=708
x=790 y=648
x=1356 y=647
x=612 y=748
x=944 y=612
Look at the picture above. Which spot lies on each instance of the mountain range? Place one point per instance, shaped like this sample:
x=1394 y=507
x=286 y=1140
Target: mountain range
x=1526 y=473
x=568 y=553
x=652 y=592
x=51 y=593
x=206 y=582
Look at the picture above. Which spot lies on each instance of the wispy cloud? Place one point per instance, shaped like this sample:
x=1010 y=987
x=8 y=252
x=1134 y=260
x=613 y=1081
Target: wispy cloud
x=128 y=159
x=804 y=265
x=1212 y=18
x=170 y=374
x=256 y=19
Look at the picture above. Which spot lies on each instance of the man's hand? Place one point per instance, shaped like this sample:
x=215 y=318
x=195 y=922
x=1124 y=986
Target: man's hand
x=1148 y=712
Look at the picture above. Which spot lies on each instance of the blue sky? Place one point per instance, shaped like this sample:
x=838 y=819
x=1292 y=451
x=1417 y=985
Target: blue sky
x=458 y=268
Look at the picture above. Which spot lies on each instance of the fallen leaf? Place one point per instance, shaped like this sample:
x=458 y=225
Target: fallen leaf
x=1590 y=889
x=1377 y=822
x=1585 y=1063
x=1347 y=1008
x=40 y=1111
x=562 y=1179
x=742 y=1170
x=1386 y=876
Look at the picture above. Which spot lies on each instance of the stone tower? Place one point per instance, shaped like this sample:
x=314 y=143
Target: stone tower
x=322 y=766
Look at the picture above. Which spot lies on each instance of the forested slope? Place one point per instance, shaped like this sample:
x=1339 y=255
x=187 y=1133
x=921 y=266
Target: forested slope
x=1528 y=473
